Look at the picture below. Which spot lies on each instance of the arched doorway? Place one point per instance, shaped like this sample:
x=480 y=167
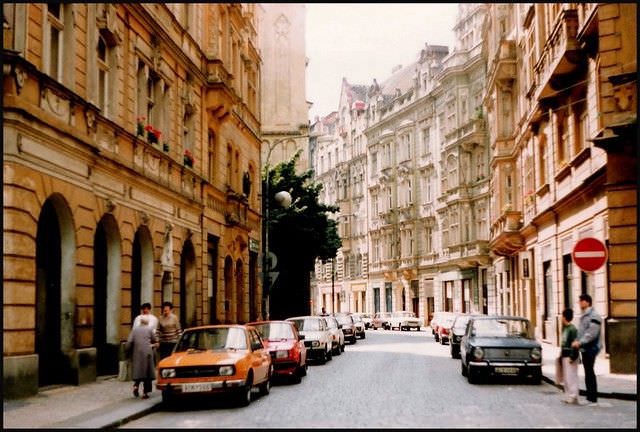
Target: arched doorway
x=240 y=294
x=55 y=294
x=188 y=286
x=228 y=288
x=141 y=271
x=106 y=292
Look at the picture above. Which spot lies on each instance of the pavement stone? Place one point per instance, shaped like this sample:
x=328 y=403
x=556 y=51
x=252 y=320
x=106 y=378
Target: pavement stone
x=108 y=402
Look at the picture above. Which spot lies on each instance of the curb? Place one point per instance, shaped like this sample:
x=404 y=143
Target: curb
x=614 y=395
x=117 y=423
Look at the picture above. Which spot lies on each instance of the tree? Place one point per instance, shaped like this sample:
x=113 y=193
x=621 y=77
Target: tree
x=297 y=236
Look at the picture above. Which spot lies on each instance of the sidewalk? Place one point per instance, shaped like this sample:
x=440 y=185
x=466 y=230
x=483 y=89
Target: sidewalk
x=616 y=386
x=109 y=403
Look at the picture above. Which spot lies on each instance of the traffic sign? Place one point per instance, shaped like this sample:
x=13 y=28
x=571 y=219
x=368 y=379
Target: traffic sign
x=589 y=254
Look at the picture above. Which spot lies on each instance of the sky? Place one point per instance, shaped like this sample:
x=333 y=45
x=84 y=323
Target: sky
x=363 y=41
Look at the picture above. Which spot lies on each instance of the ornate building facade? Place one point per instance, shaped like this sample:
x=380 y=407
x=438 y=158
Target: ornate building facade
x=560 y=123
x=131 y=175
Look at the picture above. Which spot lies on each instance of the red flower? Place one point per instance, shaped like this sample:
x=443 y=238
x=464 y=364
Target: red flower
x=148 y=128
x=157 y=133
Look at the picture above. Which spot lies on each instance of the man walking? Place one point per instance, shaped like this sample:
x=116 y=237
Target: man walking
x=146 y=313
x=589 y=344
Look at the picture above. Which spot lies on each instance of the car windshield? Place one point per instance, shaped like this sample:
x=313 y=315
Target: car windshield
x=461 y=322
x=447 y=321
x=501 y=328
x=331 y=323
x=307 y=324
x=356 y=318
x=212 y=339
x=344 y=319
x=404 y=314
x=275 y=331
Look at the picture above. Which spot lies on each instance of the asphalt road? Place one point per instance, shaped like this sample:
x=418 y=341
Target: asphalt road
x=396 y=379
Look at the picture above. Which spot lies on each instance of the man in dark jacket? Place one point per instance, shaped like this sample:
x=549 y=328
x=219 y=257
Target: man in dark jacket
x=589 y=344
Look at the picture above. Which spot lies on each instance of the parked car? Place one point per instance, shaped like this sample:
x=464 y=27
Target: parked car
x=366 y=319
x=404 y=320
x=348 y=326
x=337 y=336
x=216 y=359
x=317 y=338
x=457 y=331
x=500 y=346
x=437 y=316
x=381 y=321
x=359 y=326
x=286 y=347
x=444 y=328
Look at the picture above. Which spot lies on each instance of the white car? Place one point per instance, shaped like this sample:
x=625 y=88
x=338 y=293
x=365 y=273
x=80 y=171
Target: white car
x=404 y=320
x=337 y=336
x=317 y=338
x=359 y=325
x=366 y=319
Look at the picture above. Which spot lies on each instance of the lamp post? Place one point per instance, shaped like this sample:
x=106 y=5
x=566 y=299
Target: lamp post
x=284 y=199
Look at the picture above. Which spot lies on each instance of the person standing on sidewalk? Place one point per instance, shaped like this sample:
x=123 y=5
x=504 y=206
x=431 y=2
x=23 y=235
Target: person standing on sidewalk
x=589 y=344
x=141 y=343
x=569 y=357
x=168 y=330
x=146 y=312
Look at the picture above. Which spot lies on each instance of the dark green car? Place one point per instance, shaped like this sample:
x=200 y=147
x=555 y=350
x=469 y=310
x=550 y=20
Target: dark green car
x=500 y=346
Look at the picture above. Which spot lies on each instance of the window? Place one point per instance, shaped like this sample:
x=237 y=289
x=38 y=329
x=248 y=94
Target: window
x=426 y=145
x=543 y=160
x=55 y=20
x=211 y=146
x=564 y=152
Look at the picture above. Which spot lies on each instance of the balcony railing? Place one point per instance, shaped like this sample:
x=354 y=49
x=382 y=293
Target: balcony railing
x=561 y=55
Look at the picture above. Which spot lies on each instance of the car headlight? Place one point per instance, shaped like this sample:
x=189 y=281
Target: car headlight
x=536 y=354
x=226 y=370
x=282 y=354
x=315 y=343
x=478 y=353
x=168 y=373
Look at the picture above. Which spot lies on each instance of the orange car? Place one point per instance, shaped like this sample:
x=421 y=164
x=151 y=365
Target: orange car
x=216 y=359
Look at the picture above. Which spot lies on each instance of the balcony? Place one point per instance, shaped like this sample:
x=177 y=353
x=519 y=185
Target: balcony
x=561 y=57
x=504 y=63
x=506 y=238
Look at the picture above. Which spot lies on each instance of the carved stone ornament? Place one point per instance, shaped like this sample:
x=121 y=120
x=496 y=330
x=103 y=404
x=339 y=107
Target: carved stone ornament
x=144 y=217
x=20 y=76
x=110 y=206
x=90 y=116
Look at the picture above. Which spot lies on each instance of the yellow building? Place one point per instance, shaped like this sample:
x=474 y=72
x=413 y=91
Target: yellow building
x=561 y=112
x=131 y=167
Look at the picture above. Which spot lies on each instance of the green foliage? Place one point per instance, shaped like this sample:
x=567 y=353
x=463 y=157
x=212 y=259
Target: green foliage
x=303 y=232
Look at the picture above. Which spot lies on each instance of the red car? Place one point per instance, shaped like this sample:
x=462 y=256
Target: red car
x=286 y=347
x=444 y=328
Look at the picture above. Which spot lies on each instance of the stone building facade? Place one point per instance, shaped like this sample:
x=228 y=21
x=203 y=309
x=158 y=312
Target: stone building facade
x=131 y=174
x=558 y=174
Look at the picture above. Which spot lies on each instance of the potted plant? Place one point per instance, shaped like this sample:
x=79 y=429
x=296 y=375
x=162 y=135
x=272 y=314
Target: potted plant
x=153 y=135
x=140 y=125
x=165 y=147
x=189 y=160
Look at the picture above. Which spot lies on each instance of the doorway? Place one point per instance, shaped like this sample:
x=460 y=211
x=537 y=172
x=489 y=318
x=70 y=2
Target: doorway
x=188 y=286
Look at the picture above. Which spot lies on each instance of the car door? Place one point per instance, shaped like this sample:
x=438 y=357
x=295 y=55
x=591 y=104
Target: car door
x=300 y=344
x=464 y=346
x=261 y=360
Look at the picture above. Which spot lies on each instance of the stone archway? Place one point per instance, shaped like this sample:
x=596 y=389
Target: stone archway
x=141 y=271
x=107 y=255
x=241 y=294
x=55 y=291
x=188 y=285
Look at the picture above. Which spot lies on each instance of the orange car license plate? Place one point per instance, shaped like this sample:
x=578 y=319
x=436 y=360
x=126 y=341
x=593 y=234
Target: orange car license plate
x=196 y=387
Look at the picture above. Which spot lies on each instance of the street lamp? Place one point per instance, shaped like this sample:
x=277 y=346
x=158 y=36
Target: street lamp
x=283 y=198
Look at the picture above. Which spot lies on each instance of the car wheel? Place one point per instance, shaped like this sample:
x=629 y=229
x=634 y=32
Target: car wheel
x=436 y=337
x=463 y=370
x=342 y=347
x=337 y=350
x=364 y=335
x=536 y=378
x=473 y=375
x=353 y=341
x=303 y=370
x=244 y=394
x=167 y=398
x=265 y=387
x=451 y=351
x=418 y=328
x=329 y=355
x=323 y=357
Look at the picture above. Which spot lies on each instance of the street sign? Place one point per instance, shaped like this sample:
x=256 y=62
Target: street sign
x=589 y=254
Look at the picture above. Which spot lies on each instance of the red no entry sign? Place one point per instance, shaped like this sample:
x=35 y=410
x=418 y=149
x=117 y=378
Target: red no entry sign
x=589 y=254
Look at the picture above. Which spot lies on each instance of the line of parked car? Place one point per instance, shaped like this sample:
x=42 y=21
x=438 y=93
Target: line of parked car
x=490 y=345
x=235 y=359
x=401 y=320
